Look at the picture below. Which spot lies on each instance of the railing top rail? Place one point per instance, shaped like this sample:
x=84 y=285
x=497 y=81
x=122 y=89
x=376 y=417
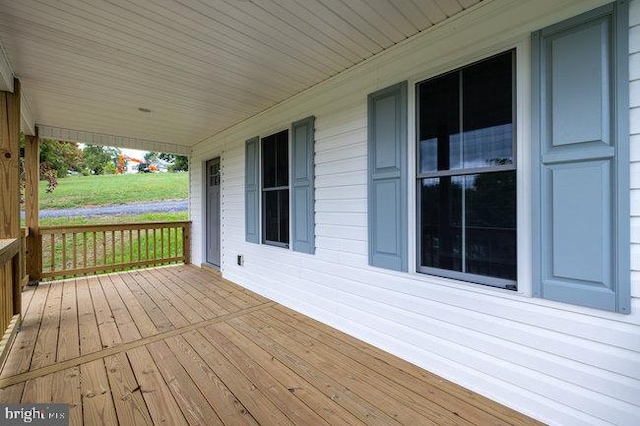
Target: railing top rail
x=8 y=248
x=111 y=227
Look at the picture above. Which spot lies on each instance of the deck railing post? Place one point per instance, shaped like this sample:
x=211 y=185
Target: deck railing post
x=17 y=284
x=186 y=243
x=32 y=202
x=24 y=276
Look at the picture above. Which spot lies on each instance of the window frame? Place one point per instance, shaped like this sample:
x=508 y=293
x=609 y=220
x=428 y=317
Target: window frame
x=263 y=190
x=521 y=153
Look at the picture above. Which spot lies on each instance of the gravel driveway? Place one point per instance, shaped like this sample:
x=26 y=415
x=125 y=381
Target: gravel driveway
x=120 y=209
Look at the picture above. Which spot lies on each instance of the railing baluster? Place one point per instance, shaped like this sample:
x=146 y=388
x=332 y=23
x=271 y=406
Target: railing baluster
x=139 y=248
x=130 y=245
x=84 y=250
x=64 y=251
x=113 y=247
x=162 y=256
x=146 y=246
x=95 y=250
x=53 y=252
x=122 y=247
x=155 y=248
x=104 y=248
x=75 y=251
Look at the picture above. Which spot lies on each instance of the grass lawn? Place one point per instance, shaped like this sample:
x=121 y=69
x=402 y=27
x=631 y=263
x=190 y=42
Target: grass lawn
x=93 y=249
x=109 y=219
x=84 y=191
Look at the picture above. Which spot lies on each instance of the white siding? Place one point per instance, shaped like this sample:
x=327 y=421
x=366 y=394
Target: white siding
x=559 y=363
x=634 y=100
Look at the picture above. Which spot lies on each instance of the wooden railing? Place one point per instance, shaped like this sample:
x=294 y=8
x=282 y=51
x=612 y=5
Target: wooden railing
x=10 y=297
x=69 y=251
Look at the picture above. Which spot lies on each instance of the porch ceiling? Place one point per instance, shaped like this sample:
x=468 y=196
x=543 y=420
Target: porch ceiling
x=200 y=66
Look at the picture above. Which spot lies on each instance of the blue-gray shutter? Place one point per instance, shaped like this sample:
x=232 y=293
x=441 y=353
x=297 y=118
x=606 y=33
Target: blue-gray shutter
x=252 y=190
x=581 y=160
x=387 y=183
x=302 y=196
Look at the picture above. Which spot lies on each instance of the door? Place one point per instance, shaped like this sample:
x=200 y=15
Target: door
x=213 y=212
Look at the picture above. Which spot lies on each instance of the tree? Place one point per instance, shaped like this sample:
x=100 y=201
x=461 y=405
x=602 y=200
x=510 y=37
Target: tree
x=60 y=156
x=46 y=172
x=151 y=157
x=179 y=163
x=96 y=158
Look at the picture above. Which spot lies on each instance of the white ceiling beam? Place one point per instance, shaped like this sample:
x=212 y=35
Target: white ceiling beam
x=6 y=72
x=27 y=123
x=79 y=136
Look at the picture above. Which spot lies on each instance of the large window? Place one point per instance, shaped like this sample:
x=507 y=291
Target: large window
x=466 y=176
x=275 y=189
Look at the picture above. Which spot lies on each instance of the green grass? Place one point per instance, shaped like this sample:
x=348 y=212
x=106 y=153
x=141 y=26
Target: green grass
x=118 y=247
x=85 y=191
x=109 y=219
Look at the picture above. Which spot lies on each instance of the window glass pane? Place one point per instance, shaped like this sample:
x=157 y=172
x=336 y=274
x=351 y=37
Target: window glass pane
x=275 y=174
x=269 y=162
x=466 y=121
x=490 y=224
x=487 y=112
x=283 y=202
x=276 y=216
x=439 y=120
x=441 y=222
x=282 y=158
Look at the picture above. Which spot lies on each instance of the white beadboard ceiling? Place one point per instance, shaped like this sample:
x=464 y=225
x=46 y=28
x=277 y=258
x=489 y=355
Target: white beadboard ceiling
x=200 y=66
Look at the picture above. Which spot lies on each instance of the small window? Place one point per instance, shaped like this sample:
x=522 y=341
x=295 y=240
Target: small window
x=466 y=173
x=275 y=189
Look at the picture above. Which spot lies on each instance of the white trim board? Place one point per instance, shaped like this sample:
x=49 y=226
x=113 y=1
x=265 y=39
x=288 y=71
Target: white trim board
x=110 y=140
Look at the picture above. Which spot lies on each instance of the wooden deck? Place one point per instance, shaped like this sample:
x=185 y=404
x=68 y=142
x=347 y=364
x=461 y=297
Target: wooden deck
x=179 y=345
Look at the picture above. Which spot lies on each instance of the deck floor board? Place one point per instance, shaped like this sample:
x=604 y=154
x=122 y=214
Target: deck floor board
x=181 y=345
x=68 y=338
x=19 y=358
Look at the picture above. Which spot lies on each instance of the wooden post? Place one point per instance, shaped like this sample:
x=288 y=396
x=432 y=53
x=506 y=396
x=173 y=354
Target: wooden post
x=32 y=206
x=17 y=285
x=186 y=243
x=10 y=182
x=9 y=156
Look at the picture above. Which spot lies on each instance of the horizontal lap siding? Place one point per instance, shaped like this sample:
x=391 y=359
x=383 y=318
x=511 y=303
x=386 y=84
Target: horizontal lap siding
x=634 y=98
x=556 y=362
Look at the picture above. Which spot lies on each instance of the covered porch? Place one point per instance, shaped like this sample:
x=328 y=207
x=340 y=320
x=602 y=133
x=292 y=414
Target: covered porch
x=180 y=345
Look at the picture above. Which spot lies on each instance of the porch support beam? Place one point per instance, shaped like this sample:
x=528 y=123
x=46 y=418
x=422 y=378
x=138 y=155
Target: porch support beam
x=10 y=190
x=79 y=136
x=32 y=206
x=27 y=123
x=9 y=156
x=6 y=75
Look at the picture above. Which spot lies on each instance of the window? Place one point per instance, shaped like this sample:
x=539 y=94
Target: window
x=466 y=173
x=275 y=189
x=466 y=183
x=278 y=188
